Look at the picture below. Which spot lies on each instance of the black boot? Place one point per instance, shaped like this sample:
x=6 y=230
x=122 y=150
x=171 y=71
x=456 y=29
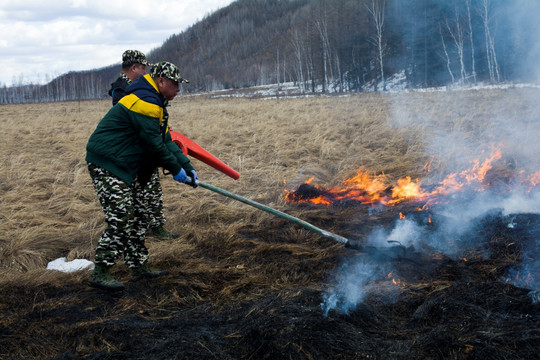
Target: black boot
x=160 y=233
x=144 y=272
x=101 y=278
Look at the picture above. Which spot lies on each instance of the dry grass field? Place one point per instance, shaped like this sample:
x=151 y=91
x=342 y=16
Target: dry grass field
x=245 y=284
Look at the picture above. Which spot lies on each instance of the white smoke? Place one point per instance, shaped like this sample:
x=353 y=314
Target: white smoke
x=459 y=224
x=527 y=274
x=406 y=233
x=354 y=281
x=459 y=230
x=463 y=125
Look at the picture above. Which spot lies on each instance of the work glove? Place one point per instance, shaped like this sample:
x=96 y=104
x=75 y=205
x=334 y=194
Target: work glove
x=194 y=179
x=181 y=176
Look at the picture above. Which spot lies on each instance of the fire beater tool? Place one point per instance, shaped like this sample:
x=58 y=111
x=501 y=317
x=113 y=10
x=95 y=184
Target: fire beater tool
x=273 y=211
x=190 y=147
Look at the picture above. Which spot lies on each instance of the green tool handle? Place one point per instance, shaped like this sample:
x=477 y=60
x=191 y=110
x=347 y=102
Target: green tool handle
x=270 y=210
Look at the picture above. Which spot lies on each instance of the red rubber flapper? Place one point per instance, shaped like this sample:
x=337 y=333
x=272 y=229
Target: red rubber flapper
x=191 y=148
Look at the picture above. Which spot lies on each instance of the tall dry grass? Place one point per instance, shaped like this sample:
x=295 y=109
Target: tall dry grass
x=48 y=207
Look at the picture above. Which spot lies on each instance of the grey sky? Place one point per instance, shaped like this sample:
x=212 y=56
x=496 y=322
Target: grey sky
x=41 y=39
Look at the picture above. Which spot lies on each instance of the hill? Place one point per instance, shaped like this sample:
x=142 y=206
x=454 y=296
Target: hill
x=335 y=46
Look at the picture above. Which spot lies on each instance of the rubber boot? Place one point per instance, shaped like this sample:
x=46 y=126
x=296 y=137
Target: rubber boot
x=160 y=233
x=144 y=272
x=101 y=278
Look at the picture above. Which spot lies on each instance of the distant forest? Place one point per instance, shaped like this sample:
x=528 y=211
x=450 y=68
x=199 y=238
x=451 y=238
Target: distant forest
x=335 y=46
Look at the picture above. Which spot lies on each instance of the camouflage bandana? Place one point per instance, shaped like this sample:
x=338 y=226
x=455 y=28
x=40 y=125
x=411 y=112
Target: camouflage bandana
x=167 y=70
x=125 y=77
x=130 y=57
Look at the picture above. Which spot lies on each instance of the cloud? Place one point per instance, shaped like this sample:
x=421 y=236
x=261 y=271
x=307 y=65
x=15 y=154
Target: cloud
x=40 y=39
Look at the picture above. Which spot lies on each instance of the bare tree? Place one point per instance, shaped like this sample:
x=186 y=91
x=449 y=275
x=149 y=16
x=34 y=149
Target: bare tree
x=376 y=10
x=340 y=74
x=471 y=40
x=322 y=27
x=448 y=62
x=491 y=56
x=298 y=56
x=277 y=72
x=457 y=33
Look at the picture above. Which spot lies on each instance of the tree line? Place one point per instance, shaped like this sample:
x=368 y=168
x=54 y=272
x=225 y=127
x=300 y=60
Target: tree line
x=335 y=46
x=84 y=85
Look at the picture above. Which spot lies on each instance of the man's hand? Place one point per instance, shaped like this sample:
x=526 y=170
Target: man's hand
x=194 y=179
x=181 y=176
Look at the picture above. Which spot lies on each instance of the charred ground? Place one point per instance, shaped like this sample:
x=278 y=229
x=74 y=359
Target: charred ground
x=447 y=308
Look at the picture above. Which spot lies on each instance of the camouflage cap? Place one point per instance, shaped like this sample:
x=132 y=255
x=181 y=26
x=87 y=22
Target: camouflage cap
x=130 y=57
x=167 y=70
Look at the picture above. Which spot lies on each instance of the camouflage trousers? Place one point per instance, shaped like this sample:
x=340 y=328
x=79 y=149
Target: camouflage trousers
x=128 y=212
x=154 y=197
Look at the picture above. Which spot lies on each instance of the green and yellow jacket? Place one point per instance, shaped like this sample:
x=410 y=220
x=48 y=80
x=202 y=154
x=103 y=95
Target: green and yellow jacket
x=133 y=138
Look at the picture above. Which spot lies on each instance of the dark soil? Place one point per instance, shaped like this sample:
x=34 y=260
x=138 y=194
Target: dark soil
x=446 y=308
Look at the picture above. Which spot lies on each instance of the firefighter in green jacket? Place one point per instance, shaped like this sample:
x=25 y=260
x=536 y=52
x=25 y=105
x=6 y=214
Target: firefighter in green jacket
x=123 y=152
x=134 y=64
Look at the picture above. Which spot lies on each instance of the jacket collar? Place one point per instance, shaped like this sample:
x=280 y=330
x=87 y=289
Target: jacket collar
x=154 y=85
x=151 y=82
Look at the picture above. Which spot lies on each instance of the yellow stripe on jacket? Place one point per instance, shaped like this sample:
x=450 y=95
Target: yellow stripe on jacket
x=133 y=103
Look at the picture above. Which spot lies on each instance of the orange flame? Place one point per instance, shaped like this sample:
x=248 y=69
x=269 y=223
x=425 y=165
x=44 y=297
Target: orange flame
x=523 y=278
x=370 y=188
x=396 y=281
x=405 y=189
x=534 y=179
x=427 y=166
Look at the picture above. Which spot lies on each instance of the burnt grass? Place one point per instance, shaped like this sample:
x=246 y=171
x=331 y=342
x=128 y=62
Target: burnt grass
x=446 y=309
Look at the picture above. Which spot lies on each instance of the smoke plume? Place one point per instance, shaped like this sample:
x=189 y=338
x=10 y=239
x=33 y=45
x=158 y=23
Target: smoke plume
x=463 y=222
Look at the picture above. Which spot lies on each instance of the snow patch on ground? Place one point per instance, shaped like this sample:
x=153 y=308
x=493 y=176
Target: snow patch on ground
x=62 y=265
x=394 y=84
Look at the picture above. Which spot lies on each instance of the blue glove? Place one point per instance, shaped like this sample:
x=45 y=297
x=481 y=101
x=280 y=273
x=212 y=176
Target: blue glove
x=181 y=176
x=194 y=178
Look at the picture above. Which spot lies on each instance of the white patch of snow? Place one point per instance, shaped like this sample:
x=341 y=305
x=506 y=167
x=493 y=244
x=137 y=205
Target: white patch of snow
x=62 y=265
x=394 y=84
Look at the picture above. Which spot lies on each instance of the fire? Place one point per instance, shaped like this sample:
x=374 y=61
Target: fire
x=475 y=175
x=396 y=280
x=524 y=279
x=534 y=179
x=427 y=166
x=405 y=189
x=370 y=188
x=364 y=187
